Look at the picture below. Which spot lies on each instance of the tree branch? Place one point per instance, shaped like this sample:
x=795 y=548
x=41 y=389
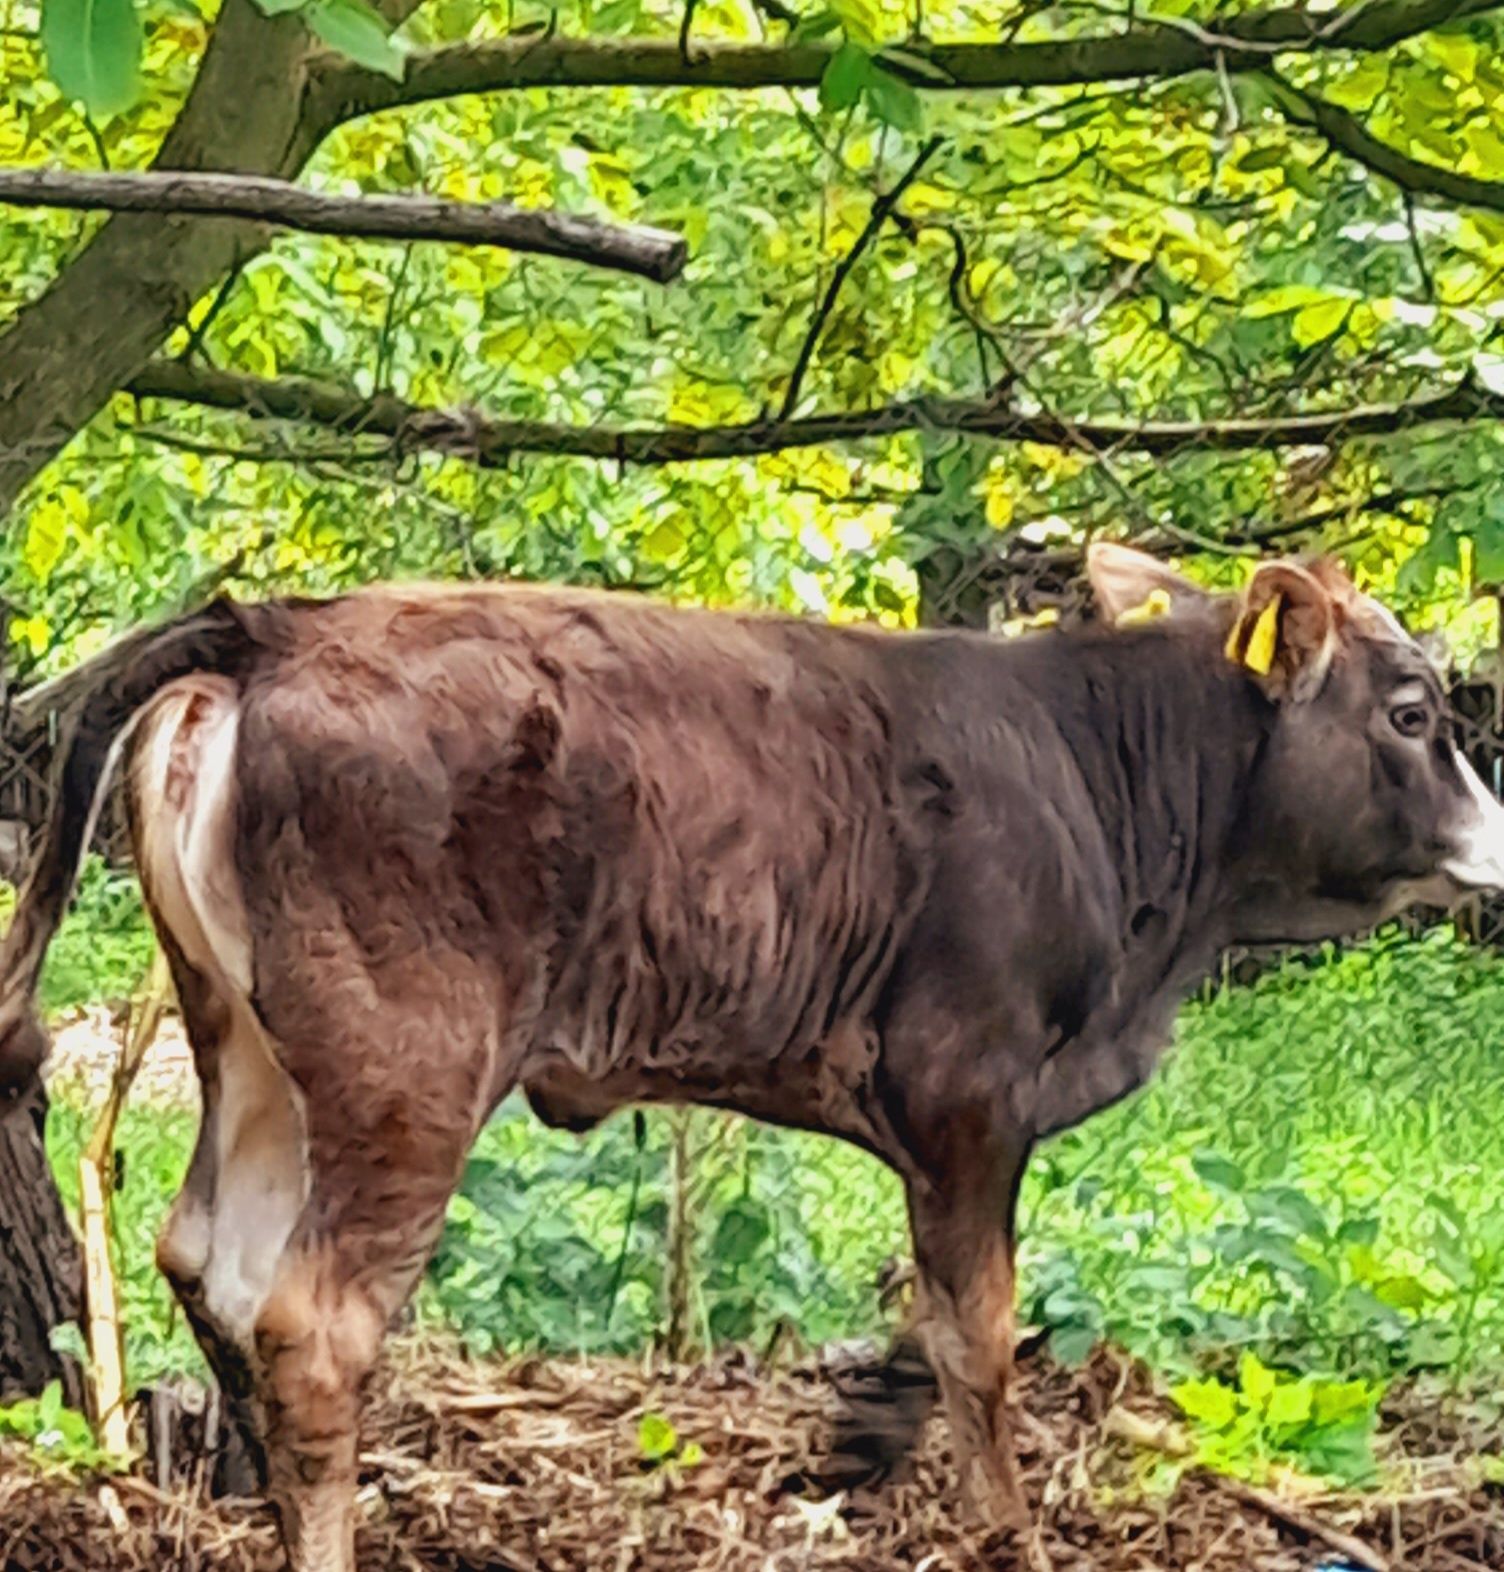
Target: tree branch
x=1348 y=134
x=881 y=207
x=339 y=90
x=651 y=253
x=492 y=442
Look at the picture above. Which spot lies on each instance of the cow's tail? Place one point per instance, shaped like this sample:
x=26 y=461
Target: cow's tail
x=101 y=699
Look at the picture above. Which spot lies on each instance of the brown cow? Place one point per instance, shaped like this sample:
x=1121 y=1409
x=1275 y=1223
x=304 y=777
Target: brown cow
x=937 y=894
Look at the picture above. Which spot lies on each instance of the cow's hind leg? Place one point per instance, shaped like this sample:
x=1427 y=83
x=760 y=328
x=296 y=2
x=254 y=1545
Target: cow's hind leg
x=884 y=1407
x=187 y=1239
x=386 y=1146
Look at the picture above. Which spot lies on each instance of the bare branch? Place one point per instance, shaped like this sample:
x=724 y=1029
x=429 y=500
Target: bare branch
x=339 y=90
x=1347 y=133
x=492 y=443
x=651 y=253
x=881 y=208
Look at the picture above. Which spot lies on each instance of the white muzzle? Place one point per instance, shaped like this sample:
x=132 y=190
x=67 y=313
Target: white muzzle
x=1478 y=861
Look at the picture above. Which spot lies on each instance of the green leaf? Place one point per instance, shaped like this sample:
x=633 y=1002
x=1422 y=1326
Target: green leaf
x=1335 y=1402
x=1448 y=1210
x=1401 y=1292
x=1261 y=158
x=1358 y=1231
x=742 y=1231
x=1418 y=572
x=360 y=32
x=656 y=1438
x=1300 y=176
x=51 y=1404
x=93 y=50
x=1218 y=1172
x=1071 y=1345
x=1488 y=544
x=1255 y=1378
x=1343 y=1452
x=893 y=101
x=1284 y=298
x=46 y=536
x=849 y=71
x=861 y=19
x=278 y=7
x=1290 y=1403
x=1291 y=1207
x=819 y=24
x=1208 y=1402
x=1453 y=1259
x=1321 y=320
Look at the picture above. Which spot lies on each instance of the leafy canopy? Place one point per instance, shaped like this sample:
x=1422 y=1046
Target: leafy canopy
x=1177 y=249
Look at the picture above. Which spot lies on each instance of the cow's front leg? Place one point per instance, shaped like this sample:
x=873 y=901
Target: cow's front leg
x=964 y=1318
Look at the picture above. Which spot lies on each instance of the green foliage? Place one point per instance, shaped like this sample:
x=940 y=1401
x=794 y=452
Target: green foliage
x=103 y=948
x=1165 y=252
x=355 y=28
x=94 y=48
x=93 y=51
x=1300 y=1197
x=1302 y=1178
x=1301 y=1182
x=541 y=1248
x=1325 y=1426
x=153 y=1146
x=56 y=1436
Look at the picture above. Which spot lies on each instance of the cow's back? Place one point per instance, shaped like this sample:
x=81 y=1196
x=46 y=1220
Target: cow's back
x=671 y=841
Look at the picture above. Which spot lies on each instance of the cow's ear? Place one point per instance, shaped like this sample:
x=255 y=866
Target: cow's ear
x=1285 y=631
x=1132 y=585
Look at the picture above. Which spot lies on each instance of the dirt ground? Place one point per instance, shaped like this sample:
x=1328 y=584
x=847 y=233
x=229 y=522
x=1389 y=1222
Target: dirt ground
x=86 y=1048
x=539 y=1466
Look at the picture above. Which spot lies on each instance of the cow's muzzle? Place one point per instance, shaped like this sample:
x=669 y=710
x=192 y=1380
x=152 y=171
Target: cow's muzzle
x=1477 y=863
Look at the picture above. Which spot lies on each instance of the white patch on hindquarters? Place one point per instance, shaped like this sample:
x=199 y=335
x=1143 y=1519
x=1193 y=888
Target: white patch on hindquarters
x=249 y=1181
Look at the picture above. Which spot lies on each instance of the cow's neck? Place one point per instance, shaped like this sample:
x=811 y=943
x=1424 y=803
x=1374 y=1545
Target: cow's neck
x=1164 y=739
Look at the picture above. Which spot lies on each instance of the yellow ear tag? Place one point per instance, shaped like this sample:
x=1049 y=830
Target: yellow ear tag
x=1157 y=605
x=1259 y=655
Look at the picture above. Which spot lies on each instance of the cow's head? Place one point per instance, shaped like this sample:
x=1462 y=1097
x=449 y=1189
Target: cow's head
x=1359 y=803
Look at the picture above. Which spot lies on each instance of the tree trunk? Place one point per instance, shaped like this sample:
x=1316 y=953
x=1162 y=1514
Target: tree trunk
x=41 y=1277
x=111 y=308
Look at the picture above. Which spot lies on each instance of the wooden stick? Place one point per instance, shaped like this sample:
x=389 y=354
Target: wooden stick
x=96 y=1173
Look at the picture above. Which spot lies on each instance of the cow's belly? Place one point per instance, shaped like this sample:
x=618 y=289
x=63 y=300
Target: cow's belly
x=827 y=1088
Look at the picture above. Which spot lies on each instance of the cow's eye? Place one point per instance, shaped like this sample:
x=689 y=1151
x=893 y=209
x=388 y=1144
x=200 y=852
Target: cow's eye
x=1410 y=720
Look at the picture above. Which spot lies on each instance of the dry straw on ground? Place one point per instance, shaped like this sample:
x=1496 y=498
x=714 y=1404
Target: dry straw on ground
x=538 y=1466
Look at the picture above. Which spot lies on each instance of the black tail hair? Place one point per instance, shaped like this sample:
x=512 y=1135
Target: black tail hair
x=104 y=695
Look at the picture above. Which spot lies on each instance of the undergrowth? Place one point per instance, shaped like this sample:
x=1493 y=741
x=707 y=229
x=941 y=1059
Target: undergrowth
x=103 y=946
x=1300 y=1209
